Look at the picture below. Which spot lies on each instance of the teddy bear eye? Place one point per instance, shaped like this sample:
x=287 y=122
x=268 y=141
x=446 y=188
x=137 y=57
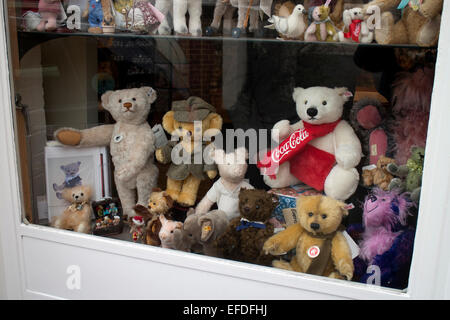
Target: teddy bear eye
x=82 y=194
x=171 y=231
x=257 y=206
x=324 y=103
x=190 y=234
x=73 y=194
x=306 y=101
x=120 y=100
x=134 y=99
x=310 y=214
x=324 y=216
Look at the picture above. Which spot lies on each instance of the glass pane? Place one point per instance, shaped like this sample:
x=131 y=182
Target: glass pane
x=116 y=102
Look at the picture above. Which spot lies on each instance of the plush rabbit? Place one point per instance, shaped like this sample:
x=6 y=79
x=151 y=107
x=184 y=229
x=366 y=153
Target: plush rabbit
x=225 y=191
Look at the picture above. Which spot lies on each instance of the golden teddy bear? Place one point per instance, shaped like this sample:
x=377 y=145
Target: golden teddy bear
x=77 y=216
x=321 y=249
x=379 y=176
x=184 y=178
x=419 y=24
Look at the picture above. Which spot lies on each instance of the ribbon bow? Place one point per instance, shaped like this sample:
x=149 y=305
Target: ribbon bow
x=247 y=224
x=77 y=206
x=413 y=3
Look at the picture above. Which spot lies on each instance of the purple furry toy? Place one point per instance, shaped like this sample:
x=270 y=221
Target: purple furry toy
x=386 y=240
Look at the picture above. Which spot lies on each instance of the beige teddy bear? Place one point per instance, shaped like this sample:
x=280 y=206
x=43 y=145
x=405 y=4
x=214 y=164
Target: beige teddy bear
x=78 y=215
x=321 y=248
x=131 y=141
x=420 y=22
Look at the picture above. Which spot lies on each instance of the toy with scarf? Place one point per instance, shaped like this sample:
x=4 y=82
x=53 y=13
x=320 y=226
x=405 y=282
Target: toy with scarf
x=386 y=241
x=245 y=235
x=321 y=150
x=322 y=27
x=358 y=30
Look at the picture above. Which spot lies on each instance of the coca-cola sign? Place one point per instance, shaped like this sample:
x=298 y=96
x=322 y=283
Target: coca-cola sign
x=287 y=146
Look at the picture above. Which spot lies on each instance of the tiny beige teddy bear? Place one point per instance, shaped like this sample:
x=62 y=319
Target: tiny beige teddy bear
x=78 y=215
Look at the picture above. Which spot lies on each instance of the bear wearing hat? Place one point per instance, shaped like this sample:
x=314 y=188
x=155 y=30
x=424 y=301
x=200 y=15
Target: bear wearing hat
x=191 y=123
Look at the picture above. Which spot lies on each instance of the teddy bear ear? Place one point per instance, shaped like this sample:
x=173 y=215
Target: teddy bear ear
x=168 y=122
x=150 y=93
x=297 y=93
x=344 y=93
x=241 y=154
x=218 y=155
x=344 y=207
x=106 y=99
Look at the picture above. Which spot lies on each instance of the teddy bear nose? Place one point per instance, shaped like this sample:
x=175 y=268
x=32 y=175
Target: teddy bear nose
x=315 y=226
x=312 y=112
x=127 y=105
x=247 y=209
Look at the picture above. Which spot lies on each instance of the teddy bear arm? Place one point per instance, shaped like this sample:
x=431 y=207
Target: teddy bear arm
x=341 y=255
x=163 y=155
x=348 y=147
x=431 y=8
x=204 y=206
x=283 y=241
x=99 y=136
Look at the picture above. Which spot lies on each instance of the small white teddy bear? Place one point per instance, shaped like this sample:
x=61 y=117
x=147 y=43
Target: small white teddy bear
x=326 y=162
x=358 y=30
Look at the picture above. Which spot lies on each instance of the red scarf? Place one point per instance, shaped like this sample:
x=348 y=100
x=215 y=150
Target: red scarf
x=292 y=145
x=354 y=30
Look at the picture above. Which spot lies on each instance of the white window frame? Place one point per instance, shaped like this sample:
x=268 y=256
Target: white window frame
x=429 y=276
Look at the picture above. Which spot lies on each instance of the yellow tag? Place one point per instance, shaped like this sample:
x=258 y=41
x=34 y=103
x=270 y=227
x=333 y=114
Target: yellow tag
x=207 y=228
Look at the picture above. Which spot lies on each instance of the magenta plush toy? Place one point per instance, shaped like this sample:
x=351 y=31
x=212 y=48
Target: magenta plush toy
x=386 y=241
x=411 y=100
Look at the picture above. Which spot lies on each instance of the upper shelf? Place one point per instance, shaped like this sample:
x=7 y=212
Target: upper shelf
x=29 y=39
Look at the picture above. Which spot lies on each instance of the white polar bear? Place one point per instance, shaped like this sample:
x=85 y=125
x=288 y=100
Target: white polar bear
x=329 y=164
x=178 y=10
x=357 y=27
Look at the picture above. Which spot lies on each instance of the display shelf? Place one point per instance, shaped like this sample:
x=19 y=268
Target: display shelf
x=29 y=39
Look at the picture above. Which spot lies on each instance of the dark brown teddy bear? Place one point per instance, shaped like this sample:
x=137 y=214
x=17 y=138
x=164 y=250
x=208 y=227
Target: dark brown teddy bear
x=245 y=235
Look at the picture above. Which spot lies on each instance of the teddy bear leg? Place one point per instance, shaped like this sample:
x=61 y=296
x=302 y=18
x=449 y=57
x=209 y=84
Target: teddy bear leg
x=145 y=182
x=83 y=227
x=195 y=12
x=58 y=223
x=188 y=194
x=280 y=264
x=165 y=7
x=340 y=183
x=429 y=34
x=127 y=198
x=283 y=179
x=41 y=26
x=179 y=16
x=228 y=20
x=173 y=188
x=51 y=22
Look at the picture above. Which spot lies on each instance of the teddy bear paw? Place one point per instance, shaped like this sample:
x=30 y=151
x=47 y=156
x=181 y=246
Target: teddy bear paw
x=345 y=269
x=283 y=127
x=347 y=157
x=272 y=247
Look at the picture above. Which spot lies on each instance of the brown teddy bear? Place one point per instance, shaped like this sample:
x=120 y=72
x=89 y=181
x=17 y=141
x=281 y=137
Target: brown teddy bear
x=379 y=176
x=159 y=203
x=245 y=235
x=321 y=249
x=419 y=24
x=77 y=216
x=183 y=179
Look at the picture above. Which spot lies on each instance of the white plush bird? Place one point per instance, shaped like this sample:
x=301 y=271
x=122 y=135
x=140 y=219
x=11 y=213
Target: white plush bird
x=291 y=27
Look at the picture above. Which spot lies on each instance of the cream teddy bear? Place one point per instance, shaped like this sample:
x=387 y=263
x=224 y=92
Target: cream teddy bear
x=131 y=141
x=326 y=149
